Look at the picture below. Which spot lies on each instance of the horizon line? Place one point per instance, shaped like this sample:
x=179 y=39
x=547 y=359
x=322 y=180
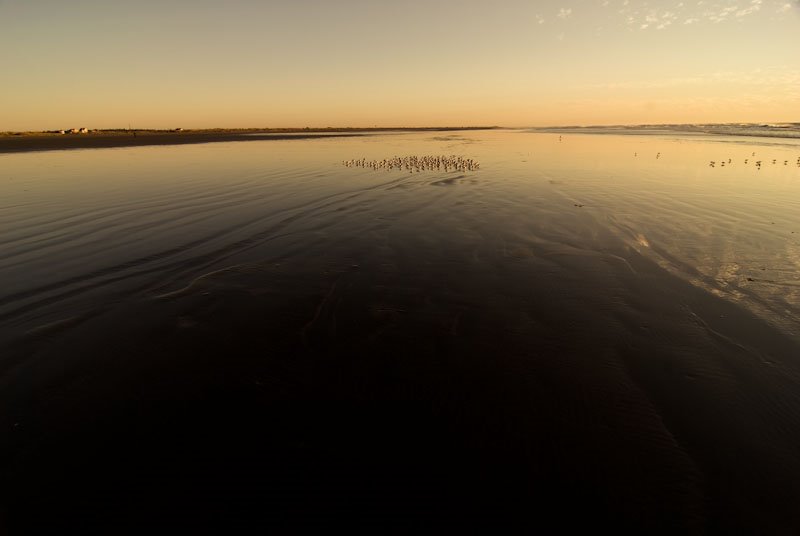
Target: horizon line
x=400 y=128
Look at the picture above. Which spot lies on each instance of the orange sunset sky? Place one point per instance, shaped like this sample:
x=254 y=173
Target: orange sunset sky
x=196 y=64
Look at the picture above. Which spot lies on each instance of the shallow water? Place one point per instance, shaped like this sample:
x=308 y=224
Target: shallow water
x=108 y=223
x=593 y=312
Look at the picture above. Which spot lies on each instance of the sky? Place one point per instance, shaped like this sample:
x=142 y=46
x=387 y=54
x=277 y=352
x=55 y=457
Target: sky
x=360 y=63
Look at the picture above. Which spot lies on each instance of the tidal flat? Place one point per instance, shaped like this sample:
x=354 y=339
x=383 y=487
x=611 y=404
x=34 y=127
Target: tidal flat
x=585 y=330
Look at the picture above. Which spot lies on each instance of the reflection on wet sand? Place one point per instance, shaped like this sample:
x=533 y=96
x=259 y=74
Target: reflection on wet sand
x=574 y=336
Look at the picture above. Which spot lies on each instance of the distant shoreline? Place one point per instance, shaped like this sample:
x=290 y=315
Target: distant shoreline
x=783 y=130
x=47 y=141
x=19 y=142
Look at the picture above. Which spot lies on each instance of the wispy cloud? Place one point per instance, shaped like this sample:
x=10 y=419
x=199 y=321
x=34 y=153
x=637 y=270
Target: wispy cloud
x=642 y=15
x=755 y=5
x=662 y=14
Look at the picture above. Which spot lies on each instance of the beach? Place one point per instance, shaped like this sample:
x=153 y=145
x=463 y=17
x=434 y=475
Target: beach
x=42 y=141
x=582 y=333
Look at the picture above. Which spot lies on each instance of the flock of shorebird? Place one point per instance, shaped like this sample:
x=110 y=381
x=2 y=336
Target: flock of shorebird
x=713 y=163
x=459 y=163
x=758 y=163
x=417 y=163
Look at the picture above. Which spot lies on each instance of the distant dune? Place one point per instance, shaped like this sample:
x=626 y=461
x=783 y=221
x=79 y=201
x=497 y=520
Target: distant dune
x=13 y=142
x=770 y=130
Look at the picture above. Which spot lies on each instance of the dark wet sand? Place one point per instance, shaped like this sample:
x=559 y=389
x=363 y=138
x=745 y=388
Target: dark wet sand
x=99 y=140
x=19 y=144
x=267 y=397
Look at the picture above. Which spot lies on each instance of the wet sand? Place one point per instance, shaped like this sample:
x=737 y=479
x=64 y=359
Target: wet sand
x=271 y=397
x=394 y=352
x=18 y=144
x=98 y=140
